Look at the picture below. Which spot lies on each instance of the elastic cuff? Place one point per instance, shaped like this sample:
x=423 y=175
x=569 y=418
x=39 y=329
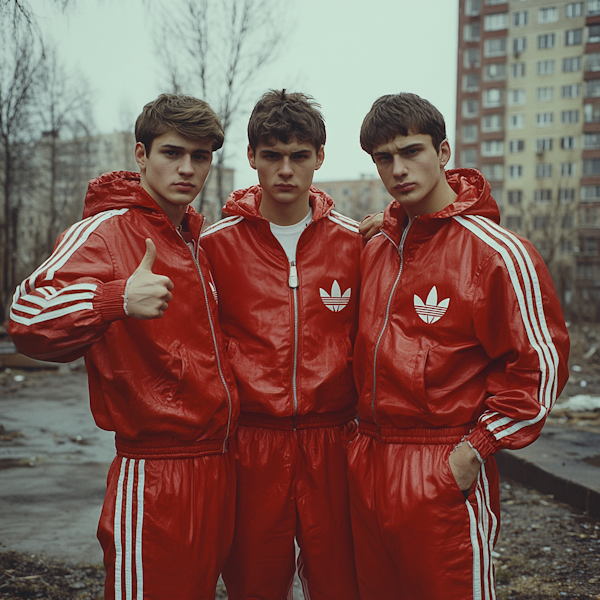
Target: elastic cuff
x=482 y=442
x=110 y=300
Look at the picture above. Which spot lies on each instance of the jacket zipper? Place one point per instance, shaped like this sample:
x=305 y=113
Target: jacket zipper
x=214 y=336
x=400 y=249
x=293 y=283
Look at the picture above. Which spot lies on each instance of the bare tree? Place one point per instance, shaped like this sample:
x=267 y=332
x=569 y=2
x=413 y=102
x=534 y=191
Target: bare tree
x=215 y=49
x=22 y=58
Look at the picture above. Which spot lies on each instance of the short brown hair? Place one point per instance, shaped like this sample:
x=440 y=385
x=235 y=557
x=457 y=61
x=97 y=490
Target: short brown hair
x=282 y=116
x=188 y=116
x=401 y=114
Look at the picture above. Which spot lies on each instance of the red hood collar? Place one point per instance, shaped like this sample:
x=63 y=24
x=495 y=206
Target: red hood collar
x=474 y=198
x=246 y=203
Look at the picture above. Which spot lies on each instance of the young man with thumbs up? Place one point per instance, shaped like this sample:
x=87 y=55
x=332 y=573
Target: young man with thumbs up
x=130 y=288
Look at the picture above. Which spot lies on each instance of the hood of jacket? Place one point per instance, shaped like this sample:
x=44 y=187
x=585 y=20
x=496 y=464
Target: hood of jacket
x=246 y=203
x=473 y=198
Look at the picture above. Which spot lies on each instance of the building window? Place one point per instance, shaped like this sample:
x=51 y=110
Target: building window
x=492 y=148
x=568 y=142
x=544 y=94
x=546 y=41
x=469 y=133
x=543 y=170
x=473 y=8
x=470 y=83
x=545 y=67
x=520 y=18
x=592 y=61
x=515 y=171
x=593 y=34
x=541 y=222
x=516 y=121
x=570 y=116
x=573 y=37
x=544 y=119
x=590 y=245
x=516 y=97
x=543 y=144
x=494 y=47
x=566 y=195
x=494 y=72
x=491 y=98
x=591 y=141
x=494 y=2
x=469 y=158
x=519 y=44
x=593 y=7
x=592 y=88
x=542 y=196
x=491 y=123
x=517 y=70
x=516 y=146
x=566 y=247
x=514 y=222
x=471 y=58
x=470 y=108
x=493 y=172
x=570 y=91
x=495 y=22
x=591 y=113
x=574 y=9
x=590 y=193
x=548 y=15
x=472 y=32
x=591 y=166
x=570 y=65
x=515 y=197
x=568 y=169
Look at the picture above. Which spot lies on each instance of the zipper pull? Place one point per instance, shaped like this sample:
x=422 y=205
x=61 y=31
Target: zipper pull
x=293 y=280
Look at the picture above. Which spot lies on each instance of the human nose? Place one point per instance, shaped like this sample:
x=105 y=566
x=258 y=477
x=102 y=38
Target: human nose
x=400 y=169
x=185 y=166
x=286 y=167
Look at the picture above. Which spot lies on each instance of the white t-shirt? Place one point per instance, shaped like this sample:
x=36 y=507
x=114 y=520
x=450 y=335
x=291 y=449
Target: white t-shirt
x=288 y=235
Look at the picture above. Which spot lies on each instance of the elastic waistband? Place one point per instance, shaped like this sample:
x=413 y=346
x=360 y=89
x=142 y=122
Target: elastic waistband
x=397 y=435
x=167 y=448
x=311 y=421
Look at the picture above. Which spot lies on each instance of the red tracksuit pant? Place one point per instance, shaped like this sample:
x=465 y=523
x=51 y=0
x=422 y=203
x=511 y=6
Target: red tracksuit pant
x=292 y=484
x=416 y=537
x=166 y=526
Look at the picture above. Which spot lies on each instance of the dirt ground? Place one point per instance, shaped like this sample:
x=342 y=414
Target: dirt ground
x=546 y=550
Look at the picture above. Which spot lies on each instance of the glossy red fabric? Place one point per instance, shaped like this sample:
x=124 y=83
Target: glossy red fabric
x=174 y=524
x=292 y=484
x=416 y=536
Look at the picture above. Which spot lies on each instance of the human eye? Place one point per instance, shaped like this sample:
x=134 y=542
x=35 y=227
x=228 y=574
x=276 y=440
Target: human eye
x=300 y=156
x=382 y=158
x=200 y=157
x=170 y=152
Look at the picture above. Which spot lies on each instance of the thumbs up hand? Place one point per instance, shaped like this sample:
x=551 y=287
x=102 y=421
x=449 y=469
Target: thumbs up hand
x=148 y=294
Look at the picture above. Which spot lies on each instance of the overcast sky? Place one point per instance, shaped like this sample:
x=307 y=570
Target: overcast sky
x=344 y=53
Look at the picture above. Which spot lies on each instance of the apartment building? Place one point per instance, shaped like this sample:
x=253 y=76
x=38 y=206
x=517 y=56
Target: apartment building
x=356 y=198
x=528 y=117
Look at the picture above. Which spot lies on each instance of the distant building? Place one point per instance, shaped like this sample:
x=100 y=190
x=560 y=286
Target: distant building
x=356 y=198
x=528 y=117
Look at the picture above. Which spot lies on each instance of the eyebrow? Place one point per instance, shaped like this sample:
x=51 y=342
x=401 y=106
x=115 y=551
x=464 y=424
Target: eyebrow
x=401 y=148
x=175 y=147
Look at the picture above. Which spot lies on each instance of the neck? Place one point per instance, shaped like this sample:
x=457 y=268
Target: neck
x=441 y=196
x=174 y=212
x=281 y=213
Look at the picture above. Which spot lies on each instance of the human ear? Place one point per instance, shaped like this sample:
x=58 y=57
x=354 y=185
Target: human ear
x=140 y=156
x=320 y=157
x=444 y=153
x=251 y=157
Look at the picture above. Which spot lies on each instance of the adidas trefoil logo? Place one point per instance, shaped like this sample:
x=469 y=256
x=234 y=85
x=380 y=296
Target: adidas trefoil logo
x=336 y=301
x=430 y=311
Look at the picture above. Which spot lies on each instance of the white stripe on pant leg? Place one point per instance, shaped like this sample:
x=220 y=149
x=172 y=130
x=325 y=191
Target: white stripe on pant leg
x=484 y=530
x=494 y=528
x=139 y=568
x=128 y=527
x=475 y=547
x=303 y=579
x=117 y=531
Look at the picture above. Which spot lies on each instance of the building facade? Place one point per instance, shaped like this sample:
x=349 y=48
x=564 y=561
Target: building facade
x=528 y=117
x=357 y=198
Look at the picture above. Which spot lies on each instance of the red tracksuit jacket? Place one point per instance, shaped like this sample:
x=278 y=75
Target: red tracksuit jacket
x=289 y=343
x=459 y=324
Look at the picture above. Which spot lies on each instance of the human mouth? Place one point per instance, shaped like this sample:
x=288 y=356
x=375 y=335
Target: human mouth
x=184 y=186
x=404 y=187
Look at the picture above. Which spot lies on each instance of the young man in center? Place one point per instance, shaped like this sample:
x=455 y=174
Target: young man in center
x=462 y=350
x=286 y=269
